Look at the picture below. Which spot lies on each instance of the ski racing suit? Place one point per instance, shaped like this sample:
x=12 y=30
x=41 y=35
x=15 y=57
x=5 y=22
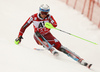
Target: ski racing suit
x=39 y=25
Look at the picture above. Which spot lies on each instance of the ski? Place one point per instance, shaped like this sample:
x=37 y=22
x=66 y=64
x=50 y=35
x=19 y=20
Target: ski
x=38 y=49
x=78 y=59
x=75 y=57
x=70 y=55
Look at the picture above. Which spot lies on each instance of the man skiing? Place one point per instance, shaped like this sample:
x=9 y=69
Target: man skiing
x=43 y=36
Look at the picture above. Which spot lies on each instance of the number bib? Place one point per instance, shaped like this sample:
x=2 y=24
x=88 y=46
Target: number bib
x=40 y=26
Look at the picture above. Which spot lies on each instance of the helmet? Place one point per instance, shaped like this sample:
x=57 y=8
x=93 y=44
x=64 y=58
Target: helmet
x=44 y=8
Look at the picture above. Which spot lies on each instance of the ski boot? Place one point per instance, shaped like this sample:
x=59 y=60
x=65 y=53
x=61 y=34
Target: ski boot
x=82 y=62
x=53 y=51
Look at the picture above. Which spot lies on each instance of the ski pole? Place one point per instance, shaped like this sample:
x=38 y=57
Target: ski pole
x=50 y=26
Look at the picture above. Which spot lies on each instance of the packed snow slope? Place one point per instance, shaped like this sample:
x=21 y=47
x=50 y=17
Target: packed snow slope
x=23 y=58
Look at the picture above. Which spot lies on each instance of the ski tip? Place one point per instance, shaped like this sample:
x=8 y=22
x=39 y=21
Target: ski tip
x=34 y=48
x=38 y=49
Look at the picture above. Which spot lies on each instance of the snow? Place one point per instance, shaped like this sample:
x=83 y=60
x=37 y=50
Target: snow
x=23 y=57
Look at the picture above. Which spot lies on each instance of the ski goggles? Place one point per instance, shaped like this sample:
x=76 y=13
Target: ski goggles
x=47 y=10
x=44 y=13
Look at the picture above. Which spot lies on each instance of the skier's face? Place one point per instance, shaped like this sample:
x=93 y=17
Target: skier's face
x=44 y=14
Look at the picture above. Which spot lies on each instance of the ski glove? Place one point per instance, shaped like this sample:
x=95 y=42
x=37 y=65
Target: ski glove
x=18 y=40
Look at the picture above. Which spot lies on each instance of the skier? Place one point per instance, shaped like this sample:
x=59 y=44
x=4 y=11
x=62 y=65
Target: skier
x=43 y=36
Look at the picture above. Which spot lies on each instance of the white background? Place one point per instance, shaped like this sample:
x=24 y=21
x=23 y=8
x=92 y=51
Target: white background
x=23 y=58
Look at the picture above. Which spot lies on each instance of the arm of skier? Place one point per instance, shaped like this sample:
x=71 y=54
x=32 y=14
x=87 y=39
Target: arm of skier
x=26 y=24
x=52 y=21
x=22 y=30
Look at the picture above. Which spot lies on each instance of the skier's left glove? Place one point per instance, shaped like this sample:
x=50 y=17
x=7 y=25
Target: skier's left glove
x=18 y=40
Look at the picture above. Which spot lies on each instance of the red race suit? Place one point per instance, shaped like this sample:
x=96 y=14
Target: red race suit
x=39 y=25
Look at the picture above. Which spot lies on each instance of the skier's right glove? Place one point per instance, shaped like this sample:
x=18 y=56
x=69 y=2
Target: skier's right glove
x=18 y=40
